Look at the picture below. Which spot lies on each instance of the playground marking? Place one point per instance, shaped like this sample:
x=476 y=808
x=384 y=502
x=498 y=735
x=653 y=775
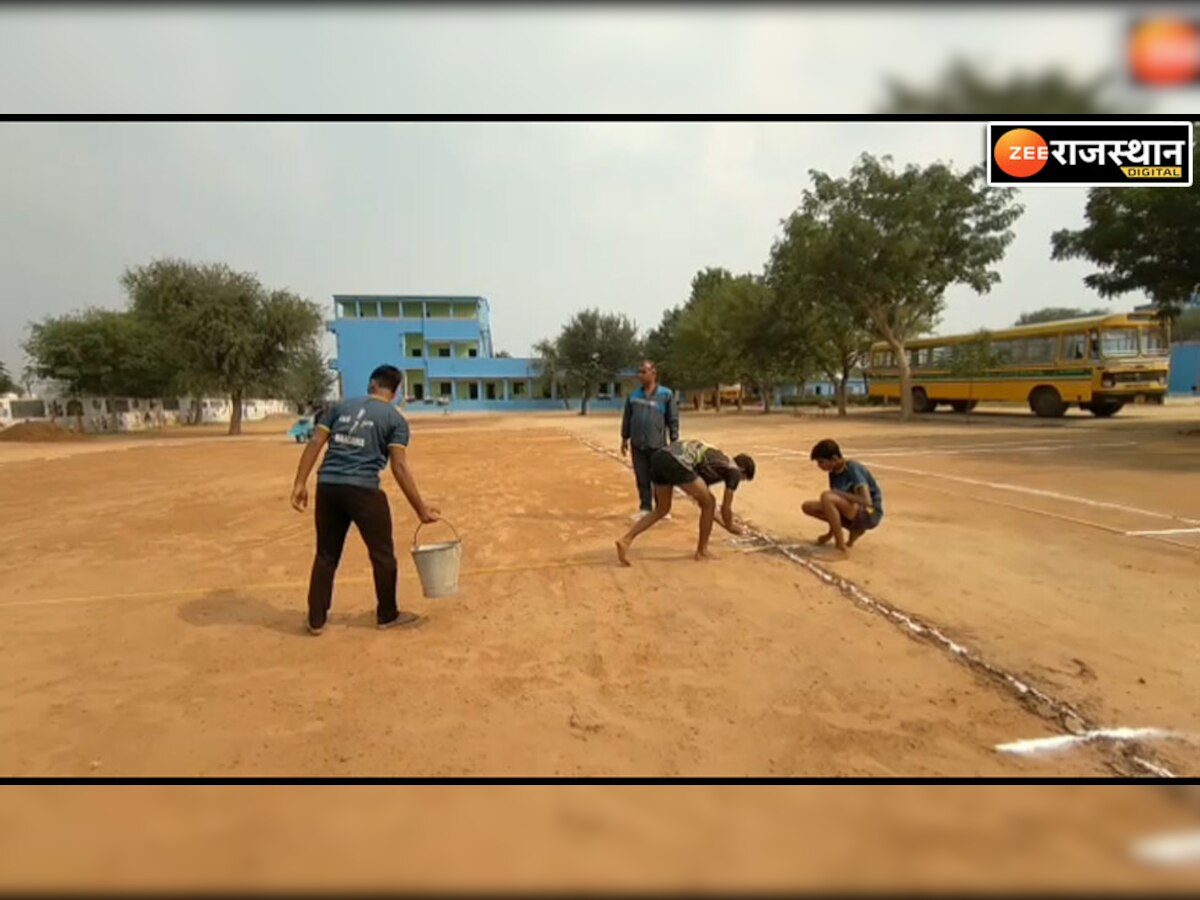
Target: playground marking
x=1065 y=741
x=1036 y=492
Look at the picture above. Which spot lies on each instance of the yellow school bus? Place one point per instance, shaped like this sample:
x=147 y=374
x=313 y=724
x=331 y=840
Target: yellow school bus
x=1100 y=363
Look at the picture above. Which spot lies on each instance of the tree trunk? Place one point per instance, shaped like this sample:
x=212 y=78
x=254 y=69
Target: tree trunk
x=112 y=413
x=583 y=404
x=717 y=399
x=765 y=389
x=235 y=416
x=843 y=391
x=195 y=414
x=906 y=400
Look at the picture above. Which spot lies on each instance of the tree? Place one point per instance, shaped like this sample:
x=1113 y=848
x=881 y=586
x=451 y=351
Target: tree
x=503 y=354
x=1145 y=239
x=7 y=384
x=592 y=349
x=102 y=353
x=230 y=334
x=1056 y=314
x=1187 y=326
x=307 y=380
x=706 y=350
x=658 y=345
x=972 y=359
x=837 y=334
x=962 y=89
x=891 y=243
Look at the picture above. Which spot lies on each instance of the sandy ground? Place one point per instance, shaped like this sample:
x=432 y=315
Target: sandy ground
x=154 y=594
x=587 y=837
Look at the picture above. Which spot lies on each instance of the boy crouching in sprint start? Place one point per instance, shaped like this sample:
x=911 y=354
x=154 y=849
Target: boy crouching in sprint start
x=853 y=499
x=692 y=466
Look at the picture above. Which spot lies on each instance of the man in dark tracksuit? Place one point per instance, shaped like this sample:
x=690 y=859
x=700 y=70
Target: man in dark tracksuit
x=363 y=434
x=650 y=422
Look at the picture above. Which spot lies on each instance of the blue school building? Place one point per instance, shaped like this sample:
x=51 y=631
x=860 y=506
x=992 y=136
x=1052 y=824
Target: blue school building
x=443 y=345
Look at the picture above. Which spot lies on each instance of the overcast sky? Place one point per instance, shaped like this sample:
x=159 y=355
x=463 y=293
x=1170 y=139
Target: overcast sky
x=543 y=219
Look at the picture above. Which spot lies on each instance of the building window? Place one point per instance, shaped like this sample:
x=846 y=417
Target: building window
x=445 y=388
x=472 y=352
x=473 y=391
x=418 y=391
x=443 y=351
x=490 y=391
x=518 y=389
x=368 y=310
x=348 y=311
x=414 y=351
x=389 y=309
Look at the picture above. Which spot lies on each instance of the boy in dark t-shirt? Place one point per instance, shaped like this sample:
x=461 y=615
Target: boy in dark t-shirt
x=853 y=501
x=692 y=466
x=363 y=435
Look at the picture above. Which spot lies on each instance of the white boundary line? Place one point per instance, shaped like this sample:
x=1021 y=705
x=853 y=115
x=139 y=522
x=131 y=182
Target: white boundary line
x=1065 y=741
x=1166 y=531
x=1036 y=492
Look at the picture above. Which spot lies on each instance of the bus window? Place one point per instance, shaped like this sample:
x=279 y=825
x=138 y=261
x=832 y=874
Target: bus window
x=1040 y=349
x=1074 y=346
x=1119 y=342
x=1154 y=342
x=940 y=357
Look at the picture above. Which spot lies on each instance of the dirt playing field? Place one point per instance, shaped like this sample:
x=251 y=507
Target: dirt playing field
x=154 y=595
x=154 y=617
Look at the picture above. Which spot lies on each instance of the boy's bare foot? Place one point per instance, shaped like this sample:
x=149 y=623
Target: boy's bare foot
x=854 y=536
x=825 y=539
x=702 y=555
x=622 y=550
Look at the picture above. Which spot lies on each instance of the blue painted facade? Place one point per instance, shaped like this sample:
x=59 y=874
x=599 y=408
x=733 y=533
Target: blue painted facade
x=443 y=344
x=1185 y=369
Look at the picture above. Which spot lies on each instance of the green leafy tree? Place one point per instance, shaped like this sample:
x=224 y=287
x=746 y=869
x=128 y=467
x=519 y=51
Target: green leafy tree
x=706 y=349
x=307 y=379
x=1141 y=239
x=7 y=384
x=971 y=360
x=230 y=333
x=760 y=346
x=658 y=345
x=836 y=335
x=101 y=353
x=962 y=89
x=1056 y=314
x=891 y=243
x=591 y=350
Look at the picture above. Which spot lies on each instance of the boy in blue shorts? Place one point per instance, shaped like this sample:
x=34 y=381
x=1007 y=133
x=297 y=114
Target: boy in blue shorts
x=853 y=500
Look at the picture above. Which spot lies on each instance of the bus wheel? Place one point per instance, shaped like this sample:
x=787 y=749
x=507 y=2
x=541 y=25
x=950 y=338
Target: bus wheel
x=1104 y=409
x=1047 y=402
x=921 y=401
x=963 y=406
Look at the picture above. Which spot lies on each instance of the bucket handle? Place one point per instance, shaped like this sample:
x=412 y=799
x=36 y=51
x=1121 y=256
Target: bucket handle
x=421 y=525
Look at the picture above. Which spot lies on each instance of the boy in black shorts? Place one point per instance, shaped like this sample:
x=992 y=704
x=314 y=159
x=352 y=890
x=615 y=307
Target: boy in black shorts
x=692 y=466
x=853 y=500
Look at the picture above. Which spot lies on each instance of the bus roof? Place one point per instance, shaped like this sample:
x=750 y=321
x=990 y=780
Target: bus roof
x=1039 y=328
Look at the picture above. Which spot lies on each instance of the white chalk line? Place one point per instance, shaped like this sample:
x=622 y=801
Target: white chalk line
x=1068 y=717
x=1036 y=492
x=1034 y=746
x=1164 y=531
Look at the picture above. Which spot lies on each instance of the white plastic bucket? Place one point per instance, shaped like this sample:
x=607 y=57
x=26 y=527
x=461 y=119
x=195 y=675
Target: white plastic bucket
x=437 y=564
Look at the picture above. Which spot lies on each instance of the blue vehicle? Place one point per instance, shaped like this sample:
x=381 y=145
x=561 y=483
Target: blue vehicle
x=302 y=430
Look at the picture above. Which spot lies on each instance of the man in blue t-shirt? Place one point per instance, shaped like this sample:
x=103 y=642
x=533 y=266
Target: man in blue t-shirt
x=649 y=422
x=853 y=501
x=363 y=435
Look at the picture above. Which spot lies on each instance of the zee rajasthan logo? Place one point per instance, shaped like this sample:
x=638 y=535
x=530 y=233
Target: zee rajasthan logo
x=1090 y=154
